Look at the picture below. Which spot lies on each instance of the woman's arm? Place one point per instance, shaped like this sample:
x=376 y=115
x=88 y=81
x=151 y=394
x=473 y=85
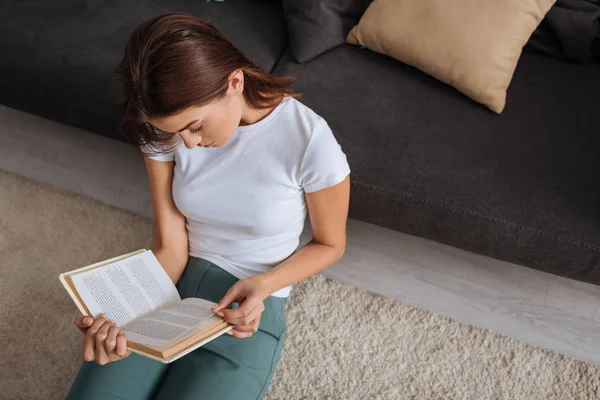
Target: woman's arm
x=172 y=261
x=170 y=239
x=328 y=211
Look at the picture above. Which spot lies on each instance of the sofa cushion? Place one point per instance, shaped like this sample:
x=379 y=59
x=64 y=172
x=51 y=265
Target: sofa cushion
x=470 y=44
x=523 y=186
x=315 y=26
x=58 y=56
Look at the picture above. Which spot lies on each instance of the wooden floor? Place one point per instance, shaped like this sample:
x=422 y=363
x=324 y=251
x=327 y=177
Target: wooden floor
x=541 y=309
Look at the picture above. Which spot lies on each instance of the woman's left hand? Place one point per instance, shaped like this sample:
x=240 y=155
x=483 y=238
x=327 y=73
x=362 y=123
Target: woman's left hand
x=250 y=294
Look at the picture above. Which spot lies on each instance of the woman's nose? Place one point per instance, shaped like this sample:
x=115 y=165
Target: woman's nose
x=192 y=142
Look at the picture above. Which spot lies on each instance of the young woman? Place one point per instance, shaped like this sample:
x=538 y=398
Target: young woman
x=234 y=161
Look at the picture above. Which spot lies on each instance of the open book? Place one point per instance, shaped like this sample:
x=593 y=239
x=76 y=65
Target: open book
x=135 y=291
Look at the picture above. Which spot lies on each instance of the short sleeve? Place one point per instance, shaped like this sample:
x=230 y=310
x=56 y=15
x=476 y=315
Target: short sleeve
x=158 y=157
x=324 y=163
x=163 y=157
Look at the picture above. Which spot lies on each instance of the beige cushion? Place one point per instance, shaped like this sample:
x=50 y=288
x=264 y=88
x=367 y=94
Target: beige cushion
x=473 y=45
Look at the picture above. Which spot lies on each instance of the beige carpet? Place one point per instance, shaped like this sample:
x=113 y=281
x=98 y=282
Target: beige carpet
x=343 y=343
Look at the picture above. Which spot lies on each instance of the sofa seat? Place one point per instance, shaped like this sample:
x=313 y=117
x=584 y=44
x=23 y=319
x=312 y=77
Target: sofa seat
x=523 y=186
x=58 y=57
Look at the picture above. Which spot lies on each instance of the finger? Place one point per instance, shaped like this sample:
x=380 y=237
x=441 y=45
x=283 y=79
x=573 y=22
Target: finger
x=122 y=345
x=101 y=355
x=226 y=301
x=110 y=343
x=83 y=321
x=89 y=342
x=252 y=327
x=244 y=307
x=243 y=315
x=238 y=334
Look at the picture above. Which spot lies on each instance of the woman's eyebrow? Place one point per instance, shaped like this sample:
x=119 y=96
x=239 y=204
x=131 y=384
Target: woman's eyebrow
x=174 y=133
x=187 y=126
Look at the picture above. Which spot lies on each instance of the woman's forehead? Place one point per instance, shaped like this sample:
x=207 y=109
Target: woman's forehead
x=179 y=121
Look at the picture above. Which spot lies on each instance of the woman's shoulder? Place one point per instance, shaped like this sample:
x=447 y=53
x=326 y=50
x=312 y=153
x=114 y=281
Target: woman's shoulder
x=320 y=161
x=302 y=119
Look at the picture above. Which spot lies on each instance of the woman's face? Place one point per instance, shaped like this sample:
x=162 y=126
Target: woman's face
x=211 y=125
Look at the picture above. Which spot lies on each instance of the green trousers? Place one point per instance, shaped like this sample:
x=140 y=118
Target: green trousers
x=225 y=368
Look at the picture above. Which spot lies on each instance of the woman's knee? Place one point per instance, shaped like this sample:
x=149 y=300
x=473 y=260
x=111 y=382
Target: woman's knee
x=135 y=377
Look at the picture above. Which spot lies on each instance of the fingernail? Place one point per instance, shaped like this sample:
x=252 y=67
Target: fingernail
x=86 y=320
x=229 y=333
x=103 y=315
x=220 y=314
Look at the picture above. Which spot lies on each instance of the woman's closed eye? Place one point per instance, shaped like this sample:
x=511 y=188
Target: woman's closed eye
x=194 y=131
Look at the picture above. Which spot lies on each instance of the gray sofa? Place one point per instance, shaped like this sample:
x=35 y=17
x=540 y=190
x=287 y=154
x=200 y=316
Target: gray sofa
x=523 y=186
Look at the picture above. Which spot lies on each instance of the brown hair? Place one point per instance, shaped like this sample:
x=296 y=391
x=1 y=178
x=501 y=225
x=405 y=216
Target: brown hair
x=175 y=61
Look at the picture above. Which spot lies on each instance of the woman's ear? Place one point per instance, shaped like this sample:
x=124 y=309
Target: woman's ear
x=236 y=81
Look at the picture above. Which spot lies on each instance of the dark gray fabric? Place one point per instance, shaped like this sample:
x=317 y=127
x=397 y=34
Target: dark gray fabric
x=570 y=31
x=315 y=26
x=523 y=186
x=58 y=56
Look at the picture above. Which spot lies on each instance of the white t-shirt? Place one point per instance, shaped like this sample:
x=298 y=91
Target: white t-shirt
x=244 y=202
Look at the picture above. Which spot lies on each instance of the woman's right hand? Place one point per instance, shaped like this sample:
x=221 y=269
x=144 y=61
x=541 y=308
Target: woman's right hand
x=104 y=341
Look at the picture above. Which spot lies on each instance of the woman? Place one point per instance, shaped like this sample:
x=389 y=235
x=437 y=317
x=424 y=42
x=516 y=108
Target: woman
x=234 y=161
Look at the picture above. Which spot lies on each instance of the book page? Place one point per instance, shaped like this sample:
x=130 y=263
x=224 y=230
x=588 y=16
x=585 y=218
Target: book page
x=126 y=289
x=172 y=323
